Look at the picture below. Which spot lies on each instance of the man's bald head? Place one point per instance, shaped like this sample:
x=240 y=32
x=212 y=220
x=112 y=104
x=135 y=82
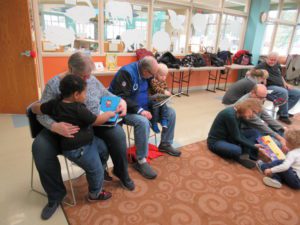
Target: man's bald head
x=148 y=66
x=259 y=91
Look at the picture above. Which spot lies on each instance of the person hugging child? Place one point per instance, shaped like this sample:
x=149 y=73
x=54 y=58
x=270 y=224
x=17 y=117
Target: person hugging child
x=288 y=170
x=158 y=85
x=83 y=148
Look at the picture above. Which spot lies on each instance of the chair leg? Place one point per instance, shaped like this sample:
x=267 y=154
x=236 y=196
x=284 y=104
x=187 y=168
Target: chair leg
x=70 y=184
x=31 y=182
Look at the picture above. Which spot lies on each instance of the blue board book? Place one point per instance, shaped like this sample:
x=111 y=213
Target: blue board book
x=110 y=103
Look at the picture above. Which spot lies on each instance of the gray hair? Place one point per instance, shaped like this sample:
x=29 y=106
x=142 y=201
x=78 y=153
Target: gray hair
x=146 y=63
x=80 y=63
x=273 y=54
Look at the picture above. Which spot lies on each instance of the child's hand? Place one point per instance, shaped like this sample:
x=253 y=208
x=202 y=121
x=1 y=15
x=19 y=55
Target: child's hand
x=167 y=93
x=268 y=172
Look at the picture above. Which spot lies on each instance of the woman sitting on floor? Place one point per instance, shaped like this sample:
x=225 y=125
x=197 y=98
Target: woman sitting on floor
x=228 y=140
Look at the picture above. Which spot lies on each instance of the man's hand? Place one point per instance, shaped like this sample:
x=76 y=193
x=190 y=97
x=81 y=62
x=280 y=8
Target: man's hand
x=146 y=114
x=288 y=86
x=268 y=172
x=122 y=108
x=64 y=129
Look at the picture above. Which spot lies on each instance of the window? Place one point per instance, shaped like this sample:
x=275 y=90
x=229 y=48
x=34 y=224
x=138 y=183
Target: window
x=274 y=7
x=204 y=30
x=296 y=42
x=69 y=27
x=267 y=39
x=209 y=3
x=289 y=10
x=169 y=28
x=125 y=26
x=282 y=19
x=231 y=29
x=239 y=5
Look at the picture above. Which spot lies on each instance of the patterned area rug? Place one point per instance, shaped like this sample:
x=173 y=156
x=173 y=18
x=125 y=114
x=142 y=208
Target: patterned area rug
x=197 y=188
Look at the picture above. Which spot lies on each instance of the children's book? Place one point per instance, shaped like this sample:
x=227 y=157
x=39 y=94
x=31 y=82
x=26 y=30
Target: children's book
x=110 y=103
x=163 y=99
x=271 y=148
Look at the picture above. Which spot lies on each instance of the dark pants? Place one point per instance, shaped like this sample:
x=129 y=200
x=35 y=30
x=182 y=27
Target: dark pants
x=289 y=176
x=159 y=113
x=229 y=149
x=45 y=149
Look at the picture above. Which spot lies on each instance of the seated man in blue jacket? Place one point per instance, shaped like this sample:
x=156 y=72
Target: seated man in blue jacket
x=131 y=83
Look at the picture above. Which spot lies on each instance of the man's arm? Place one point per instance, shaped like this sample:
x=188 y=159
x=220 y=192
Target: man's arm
x=123 y=88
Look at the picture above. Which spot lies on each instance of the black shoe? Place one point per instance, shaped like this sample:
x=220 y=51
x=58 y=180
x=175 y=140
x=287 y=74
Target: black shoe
x=246 y=162
x=49 y=210
x=169 y=149
x=291 y=115
x=126 y=183
x=285 y=120
x=145 y=169
x=107 y=177
x=104 y=195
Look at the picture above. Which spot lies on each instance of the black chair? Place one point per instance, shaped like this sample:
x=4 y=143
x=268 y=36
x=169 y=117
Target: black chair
x=35 y=129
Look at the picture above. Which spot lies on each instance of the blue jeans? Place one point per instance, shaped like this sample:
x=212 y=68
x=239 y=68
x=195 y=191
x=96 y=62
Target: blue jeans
x=159 y=113
x=289 y=176
x=45 y=149
x=229 y=149
x=292 y=96
x=88 y=157
x=142 y=130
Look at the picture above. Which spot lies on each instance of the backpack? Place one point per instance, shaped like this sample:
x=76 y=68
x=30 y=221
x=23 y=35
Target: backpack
x=193 y=60
x=225 y=56
x=170 y=60
x=242 y=57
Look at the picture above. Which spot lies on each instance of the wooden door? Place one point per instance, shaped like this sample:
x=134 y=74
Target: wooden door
x=18 y=74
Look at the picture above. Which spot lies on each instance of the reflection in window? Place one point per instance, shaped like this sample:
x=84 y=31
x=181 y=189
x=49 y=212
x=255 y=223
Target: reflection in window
x=125 y=26
x=239 y=5
x=231 y=29
x=289 y=10
x=69 y=27
x=169 y=29
x=204 y=30
x=267 y=39
x=282 y=39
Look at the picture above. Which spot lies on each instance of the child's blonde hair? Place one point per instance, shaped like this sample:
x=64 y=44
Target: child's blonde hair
x=163 y=69
x=292 y=136
x=258 y=73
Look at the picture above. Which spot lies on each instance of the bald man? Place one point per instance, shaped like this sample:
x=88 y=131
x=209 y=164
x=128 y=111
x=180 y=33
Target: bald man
x=280 y=88
x=131 y=83
x=262 y=121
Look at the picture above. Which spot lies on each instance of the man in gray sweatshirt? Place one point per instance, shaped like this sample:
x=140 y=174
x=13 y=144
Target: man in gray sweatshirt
x=263 y=122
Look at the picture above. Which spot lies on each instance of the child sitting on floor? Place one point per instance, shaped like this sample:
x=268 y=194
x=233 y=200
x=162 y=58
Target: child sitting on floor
x=288 y=170
x=83 y=148
x=158 y=85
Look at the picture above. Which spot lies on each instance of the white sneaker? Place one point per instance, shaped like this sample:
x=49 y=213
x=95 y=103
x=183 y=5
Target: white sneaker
x=272 y=182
